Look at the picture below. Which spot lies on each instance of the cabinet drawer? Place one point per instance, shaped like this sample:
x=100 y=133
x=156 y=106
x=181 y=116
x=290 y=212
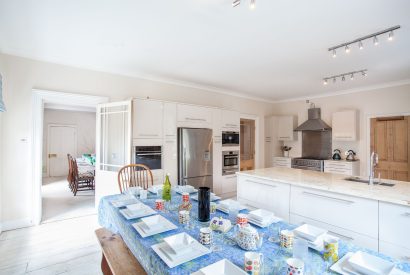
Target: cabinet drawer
x=229 y=184
x=343 y=234
x=347 y=172
x=281 y=164
x=394 y=223
x=356 y=214
x=395 y=251
x=340 y=165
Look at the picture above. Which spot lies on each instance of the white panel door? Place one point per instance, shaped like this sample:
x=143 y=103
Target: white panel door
x=62 y=140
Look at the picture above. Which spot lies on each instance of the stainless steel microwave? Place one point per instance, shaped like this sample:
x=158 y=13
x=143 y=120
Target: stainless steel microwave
x=230 y=138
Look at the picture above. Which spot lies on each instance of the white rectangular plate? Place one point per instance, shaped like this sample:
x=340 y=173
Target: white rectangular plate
x=309 y=232
x=190 y=192
x=226 y=210
x=130 y=215
x=179 y=242
x=124 y=201
x=370 y=264
x=213 y=197
x=260 y=214
x=198 y=250
x=263 y=225
x=145 y=232
x=224 y=267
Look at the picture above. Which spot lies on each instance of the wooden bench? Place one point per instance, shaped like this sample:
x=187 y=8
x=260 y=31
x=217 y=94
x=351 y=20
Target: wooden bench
x=117 y=259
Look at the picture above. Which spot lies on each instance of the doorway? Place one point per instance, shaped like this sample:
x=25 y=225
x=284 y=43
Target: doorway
x=389 y=138
x=247 y=144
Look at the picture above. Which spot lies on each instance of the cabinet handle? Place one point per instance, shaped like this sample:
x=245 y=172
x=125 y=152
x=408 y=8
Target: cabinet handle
x=195 y=119
x=341 y=236
x=230 y=177
x=170 y=141
x=260 y=183
x=343 y=137
x=148 y=135
x=327 y=197
x=170 y=135
x=285 y=137
x=232 y=125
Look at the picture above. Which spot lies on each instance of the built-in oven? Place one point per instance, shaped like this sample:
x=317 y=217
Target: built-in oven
x=230 y=138
x=230 y=162
x=150 y=156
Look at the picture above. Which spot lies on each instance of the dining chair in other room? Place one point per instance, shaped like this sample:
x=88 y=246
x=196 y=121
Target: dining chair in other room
x=81 y=182
x=134 y=175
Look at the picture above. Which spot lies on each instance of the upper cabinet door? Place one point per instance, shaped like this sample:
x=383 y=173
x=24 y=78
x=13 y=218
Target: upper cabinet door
x=170 y=120
x=147 y=118
x=230 y=120
x=113 y=136
x=286 y=125
x=194 y=114
x=344 y=125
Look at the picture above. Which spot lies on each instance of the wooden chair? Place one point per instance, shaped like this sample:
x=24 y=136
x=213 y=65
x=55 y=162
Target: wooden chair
x=81 y=182
x=135 y=175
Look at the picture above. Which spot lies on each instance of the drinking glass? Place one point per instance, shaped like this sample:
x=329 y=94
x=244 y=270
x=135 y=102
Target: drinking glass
x=233 y=212
x=300 y=249
x=215 y=246
x=274 y=231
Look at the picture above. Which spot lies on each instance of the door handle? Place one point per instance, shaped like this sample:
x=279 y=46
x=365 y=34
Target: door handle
x=52 y=156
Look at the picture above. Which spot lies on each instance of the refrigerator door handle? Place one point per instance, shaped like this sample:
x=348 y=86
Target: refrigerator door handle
x=185 y=163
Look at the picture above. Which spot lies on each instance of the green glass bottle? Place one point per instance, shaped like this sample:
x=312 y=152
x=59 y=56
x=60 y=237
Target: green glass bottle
x=166 y=190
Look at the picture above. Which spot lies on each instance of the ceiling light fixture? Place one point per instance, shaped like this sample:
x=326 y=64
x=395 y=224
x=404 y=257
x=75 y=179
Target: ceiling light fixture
x=361 y=39
x=252 y=4
x=343 y=76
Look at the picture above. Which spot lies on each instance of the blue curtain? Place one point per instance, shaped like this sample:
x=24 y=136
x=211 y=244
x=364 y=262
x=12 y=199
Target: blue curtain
x=2 y=106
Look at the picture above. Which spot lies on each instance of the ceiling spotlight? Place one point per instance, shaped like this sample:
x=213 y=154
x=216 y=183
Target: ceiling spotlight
x=252 y=4
x=334 y=79
x=364 y=73
x=375 y=41
x=334 y=53
x=352 y=77
x=236 y=3
x=325 y=81
x=347 y=49
x=360 y=45
x=391 y=35
x=343 y=78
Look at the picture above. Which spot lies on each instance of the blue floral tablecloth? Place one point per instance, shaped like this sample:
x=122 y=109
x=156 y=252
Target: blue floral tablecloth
x=274 y=256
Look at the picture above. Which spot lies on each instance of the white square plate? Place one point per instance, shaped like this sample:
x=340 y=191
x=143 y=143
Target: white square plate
x=223 y=267
x=179 y=242
x=186 y=189
x=370 y=264
x=265 y=223
x=163 y=226
x=130 y=215
x=309 y=232
x=155 y=188
x=124 y=200
x=136 y=206
x=223 y=206
x=261 y=215
x=213 y=197
x=164 y=252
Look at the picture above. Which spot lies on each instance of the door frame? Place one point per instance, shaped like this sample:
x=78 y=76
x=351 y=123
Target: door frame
x=48 y=141
x=368 y=131
x=257 y=137
x=39 y=98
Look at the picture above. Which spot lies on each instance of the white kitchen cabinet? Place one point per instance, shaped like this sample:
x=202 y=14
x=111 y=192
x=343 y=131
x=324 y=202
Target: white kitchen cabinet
x=269 y=195
x=352 y=213
x=194 y=114
x=170 y=120
x=272 y=145
x=393 y=250
x=286 y=125
x=348 y=168
x=217 y=152
x=169 y=159
x=230 y=120
x=394 y=222
x=342 y=233
x=229 y=184
x=282 y=162
x=345 y=125
x=147 y=119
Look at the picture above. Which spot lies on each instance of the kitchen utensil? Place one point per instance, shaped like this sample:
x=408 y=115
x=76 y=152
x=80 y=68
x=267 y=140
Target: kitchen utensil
x=350 y=155
x=248 y=238
x=336 y=154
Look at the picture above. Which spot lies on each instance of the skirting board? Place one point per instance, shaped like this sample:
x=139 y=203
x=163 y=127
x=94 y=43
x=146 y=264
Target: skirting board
x=16 y=224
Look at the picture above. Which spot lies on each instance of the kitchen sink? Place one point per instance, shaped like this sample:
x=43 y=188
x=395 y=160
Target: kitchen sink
x=376 y=182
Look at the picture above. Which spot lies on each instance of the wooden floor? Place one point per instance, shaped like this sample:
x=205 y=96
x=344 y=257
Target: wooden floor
x=61 y=247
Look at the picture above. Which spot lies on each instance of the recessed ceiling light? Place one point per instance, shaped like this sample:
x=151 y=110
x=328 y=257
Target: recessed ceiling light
x=391 y=36
x=334 y=53
x=375 y=41
x=360 y=45
x=252 y=4
x=347 y=49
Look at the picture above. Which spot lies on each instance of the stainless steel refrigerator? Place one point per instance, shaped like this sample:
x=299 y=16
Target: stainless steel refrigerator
x=195 y=157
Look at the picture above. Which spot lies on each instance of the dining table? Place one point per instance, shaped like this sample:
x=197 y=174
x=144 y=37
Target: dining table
x=273 y=254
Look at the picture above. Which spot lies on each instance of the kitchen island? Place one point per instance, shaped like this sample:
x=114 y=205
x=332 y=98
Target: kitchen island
x=377 y=217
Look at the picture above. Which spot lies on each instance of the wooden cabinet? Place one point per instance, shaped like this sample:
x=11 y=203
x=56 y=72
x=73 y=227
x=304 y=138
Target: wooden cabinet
x=282 y=162
x=345 y=125
x=348 y=168
x=269 y=195
x=351 y=213
x=286 y=125
x=230 y=120
x=194 y=114
x=147 y=119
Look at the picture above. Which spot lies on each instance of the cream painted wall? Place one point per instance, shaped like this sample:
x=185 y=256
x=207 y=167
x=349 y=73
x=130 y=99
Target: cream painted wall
x=385 y=101
x=85 y=122
x=22 y=75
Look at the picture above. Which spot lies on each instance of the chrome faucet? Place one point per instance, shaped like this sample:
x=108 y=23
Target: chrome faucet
x=374 y=160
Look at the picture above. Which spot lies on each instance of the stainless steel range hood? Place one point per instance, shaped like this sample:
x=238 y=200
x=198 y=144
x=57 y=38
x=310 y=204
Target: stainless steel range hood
x=314 y=122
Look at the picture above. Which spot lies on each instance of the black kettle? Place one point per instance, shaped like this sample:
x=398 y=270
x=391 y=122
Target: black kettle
x=336 y=154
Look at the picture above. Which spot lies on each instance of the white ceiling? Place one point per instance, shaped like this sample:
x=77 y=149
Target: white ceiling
x=276 y=52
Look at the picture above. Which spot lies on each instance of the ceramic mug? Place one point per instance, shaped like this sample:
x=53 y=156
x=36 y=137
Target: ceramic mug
x=183 y=216
x=295 y=266
x=159 y=204
x=205 y=235
x=253 y=263
x=143 y=194
x=331 y=247
x=185 y=197
x=242 y=219
x=286 y=238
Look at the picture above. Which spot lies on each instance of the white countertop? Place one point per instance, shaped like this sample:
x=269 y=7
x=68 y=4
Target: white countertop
x=398 y=194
